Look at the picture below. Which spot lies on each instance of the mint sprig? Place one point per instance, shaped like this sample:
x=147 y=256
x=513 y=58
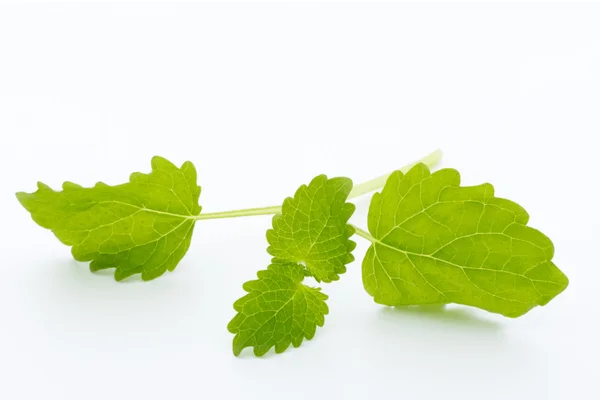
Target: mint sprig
x=432 y=242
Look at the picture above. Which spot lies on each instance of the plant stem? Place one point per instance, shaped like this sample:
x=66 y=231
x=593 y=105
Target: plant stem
x=364 y=234
x=377 y=183
x=241 y=213
x=358 y=190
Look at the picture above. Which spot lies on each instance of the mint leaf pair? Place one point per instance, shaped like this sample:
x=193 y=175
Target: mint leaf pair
x=432 y=242
x=311 y=237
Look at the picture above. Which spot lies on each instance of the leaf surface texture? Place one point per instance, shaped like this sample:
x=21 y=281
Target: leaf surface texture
x=436 y=242
x=141 y=227
x=277 y=311
x=313 y=229
x=311 y=237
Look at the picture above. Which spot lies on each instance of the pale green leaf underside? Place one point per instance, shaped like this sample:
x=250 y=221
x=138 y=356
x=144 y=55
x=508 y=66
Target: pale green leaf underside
x=436 y=242
x=313 y=229
x=277 y=311
x=143 y=226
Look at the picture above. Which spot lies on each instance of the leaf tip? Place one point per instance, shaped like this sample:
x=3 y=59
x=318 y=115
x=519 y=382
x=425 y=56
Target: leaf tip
x=70 y=185
x=237 y=347
x=21 y=197
x=42 y=186
x=158 y=162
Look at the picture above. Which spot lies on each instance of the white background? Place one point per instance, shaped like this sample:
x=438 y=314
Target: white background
x=262 y=98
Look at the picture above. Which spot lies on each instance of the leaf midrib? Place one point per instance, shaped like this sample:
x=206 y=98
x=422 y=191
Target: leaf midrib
x=407 y=252
x=462 y=268
x=297 y=290
x=182 y=216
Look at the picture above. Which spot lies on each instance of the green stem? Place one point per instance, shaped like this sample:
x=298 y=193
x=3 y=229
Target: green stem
x=241 y=213
x=364 y=234
x=430 y=160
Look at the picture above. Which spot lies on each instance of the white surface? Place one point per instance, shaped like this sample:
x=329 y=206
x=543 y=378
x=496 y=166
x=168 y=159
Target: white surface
x=262 y=98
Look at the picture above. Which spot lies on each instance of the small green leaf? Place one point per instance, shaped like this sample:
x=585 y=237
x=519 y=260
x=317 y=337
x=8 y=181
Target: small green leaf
x=277 y=311
x=313 y=229
x=437 y=242
x=311 y=237
x=143 y=226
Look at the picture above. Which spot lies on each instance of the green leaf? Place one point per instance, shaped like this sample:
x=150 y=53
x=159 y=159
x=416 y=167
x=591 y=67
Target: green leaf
x=143 y=226
x=437 y=242
x=277 y=311
x=313 y=229
x=311 y=237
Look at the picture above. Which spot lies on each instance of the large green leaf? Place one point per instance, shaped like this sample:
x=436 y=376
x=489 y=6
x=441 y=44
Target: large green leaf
x=437 y=242
x=143 y=226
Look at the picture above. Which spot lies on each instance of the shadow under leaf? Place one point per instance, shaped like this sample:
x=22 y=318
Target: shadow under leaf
x=454 y=315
